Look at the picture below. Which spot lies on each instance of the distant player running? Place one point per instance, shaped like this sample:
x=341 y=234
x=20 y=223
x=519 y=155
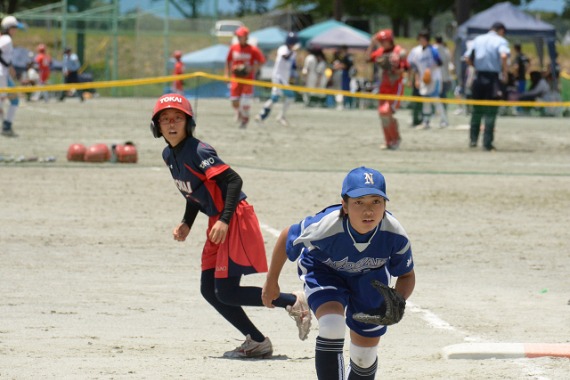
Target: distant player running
x=285 y=64
x=9 y=26
x=391 y=60
x=343 y=254
x=234 y=245
x=243 y=61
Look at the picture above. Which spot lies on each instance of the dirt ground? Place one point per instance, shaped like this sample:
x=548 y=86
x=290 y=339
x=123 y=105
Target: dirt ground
x=94 y=287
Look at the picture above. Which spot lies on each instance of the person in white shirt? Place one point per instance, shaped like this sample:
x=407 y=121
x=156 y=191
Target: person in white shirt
x=9 y=25
x=285 y=64
x=314 y=72
x=426 y=62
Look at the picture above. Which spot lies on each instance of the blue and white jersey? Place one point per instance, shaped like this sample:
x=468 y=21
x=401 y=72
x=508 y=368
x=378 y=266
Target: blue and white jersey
x=327 y=239
x=284 y=65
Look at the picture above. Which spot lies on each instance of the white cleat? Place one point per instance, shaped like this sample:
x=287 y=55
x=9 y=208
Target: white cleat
x=250 y=349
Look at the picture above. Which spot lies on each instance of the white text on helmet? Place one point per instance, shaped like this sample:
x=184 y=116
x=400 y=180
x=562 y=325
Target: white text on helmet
x=168 y=99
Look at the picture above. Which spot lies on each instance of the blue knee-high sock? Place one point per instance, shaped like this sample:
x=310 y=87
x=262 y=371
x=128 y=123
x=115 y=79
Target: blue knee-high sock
x=329 y=361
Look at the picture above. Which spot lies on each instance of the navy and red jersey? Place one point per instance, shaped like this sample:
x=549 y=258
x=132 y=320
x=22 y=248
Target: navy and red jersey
x=193 y=165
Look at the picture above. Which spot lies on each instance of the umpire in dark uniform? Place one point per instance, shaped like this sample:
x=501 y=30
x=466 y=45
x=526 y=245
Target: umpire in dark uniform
x=488 y=54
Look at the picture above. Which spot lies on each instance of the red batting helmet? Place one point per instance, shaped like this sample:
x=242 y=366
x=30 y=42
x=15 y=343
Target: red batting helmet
x=385 y=35
x=242 y=31
x=41 y=48
x=177 y=54
x=174 y=101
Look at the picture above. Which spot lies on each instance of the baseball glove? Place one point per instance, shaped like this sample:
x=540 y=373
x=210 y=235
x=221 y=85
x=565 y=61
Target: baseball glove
x=389 y=313
x=426 y=78
x=241 y=71
x=384 y=62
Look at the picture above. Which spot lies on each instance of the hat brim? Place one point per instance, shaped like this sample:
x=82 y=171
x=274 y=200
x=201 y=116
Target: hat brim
x=357 y=193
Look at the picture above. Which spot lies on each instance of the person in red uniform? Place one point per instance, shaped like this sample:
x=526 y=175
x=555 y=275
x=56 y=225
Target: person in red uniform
x=243 y=61
x=234 y=246
x=178 y=85
x=43 y=62
x=391 y=60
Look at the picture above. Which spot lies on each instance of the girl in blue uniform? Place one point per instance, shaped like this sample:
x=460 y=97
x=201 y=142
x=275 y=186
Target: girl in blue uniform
x=234 y=246
x=339 y=251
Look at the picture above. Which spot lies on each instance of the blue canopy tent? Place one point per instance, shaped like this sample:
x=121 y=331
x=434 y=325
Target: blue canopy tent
x=211 y=59
x=269 y=38
x=312 y=31
x=518 y=24
x=341 y=36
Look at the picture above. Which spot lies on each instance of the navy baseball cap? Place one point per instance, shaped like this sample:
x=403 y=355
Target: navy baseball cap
x=364 y=181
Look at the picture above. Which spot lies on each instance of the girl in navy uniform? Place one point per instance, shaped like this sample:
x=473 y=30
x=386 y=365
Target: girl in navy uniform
x=339 y=251
x=234 y=245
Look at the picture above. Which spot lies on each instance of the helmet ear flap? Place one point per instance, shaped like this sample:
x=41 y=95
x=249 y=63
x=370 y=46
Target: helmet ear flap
x=155 y=129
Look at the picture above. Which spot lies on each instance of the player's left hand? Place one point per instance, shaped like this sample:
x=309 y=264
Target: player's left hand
x=218 y=232
x=270 y=292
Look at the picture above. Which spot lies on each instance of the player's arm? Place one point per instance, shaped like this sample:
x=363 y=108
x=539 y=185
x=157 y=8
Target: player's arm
x=406 y=283
x=233 y=183
x=504 y=67
x=181 y=231
x=271 y=288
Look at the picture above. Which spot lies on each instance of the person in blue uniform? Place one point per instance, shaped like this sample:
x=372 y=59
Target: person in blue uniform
x=234 y=245
x=339 y=251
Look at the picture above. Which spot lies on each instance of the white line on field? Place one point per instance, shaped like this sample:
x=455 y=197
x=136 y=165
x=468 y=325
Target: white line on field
x=433 y=320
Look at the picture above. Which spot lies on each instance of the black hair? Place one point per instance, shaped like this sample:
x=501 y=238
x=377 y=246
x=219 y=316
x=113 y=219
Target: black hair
x=497 y=26
x=425 y=34
x=439 y=39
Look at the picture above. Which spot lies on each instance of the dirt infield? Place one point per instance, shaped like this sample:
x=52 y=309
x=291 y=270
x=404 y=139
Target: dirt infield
x=93 y=286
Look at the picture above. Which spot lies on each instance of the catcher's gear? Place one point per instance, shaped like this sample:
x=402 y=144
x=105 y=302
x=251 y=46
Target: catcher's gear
x=389 y=313
x=385 y=62
x=241 y=70
x=384 y=35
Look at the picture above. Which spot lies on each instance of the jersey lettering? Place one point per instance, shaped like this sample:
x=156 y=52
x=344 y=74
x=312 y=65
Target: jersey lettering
x=360 y=266
x=207 y=162
x=183 y=186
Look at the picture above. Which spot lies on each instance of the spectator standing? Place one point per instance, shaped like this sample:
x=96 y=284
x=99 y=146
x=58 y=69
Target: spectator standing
x=243 y=61
x=314 y=73
x=43 y=63
x=521 y=64
x=31 y=78
x=344 y=63
x=445 y=56
x=488 y=54
x=178 y=85
x=71 y=66
x=9 y=25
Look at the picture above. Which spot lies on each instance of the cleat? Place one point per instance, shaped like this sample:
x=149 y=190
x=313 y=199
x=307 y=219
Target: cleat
x=301 y=313
x=281 y=120
x=9 y=133
x=259 y=120
x=251 y=349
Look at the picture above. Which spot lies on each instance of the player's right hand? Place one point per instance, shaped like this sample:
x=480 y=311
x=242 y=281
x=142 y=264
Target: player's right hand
x=269 y=293
x=180 y=232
